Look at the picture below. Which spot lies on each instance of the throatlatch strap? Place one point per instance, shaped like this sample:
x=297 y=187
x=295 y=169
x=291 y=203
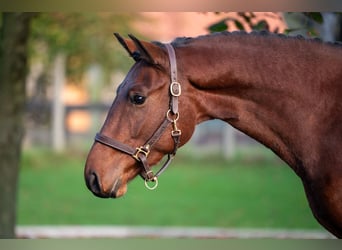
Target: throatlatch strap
x=173 y=63
x=175 y=88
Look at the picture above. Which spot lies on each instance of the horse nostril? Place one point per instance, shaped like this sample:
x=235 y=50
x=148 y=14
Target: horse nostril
x=94 y=184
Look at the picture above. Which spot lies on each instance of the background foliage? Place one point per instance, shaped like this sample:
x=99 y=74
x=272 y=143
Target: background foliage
x=84 y=37
x=308 y=23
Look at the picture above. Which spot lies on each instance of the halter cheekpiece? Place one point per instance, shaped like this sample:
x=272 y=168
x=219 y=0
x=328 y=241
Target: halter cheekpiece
x=141 y=153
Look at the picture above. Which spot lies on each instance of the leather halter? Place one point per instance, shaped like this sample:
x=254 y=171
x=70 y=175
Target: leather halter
x=141 y=153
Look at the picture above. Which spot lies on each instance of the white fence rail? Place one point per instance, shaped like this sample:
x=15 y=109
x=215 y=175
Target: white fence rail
x=164 y=232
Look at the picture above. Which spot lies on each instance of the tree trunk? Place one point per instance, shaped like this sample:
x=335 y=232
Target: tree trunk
x=14 y=33
x=58 y=109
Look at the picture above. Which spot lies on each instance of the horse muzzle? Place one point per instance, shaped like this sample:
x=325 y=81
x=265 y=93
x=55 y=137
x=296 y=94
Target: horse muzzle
x=102 y=189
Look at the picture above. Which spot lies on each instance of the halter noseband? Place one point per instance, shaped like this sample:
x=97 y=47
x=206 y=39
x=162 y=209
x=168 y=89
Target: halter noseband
x=141 y=153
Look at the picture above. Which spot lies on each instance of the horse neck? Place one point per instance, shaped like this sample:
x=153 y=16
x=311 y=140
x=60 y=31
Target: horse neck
x=260 y=86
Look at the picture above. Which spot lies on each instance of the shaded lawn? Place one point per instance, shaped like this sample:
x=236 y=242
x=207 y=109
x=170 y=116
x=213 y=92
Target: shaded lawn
x=248 y=192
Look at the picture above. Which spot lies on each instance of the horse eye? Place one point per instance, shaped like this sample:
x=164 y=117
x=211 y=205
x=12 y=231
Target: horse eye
x=137 y=99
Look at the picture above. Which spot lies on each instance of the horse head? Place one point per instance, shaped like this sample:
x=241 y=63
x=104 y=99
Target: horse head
x=149 y=118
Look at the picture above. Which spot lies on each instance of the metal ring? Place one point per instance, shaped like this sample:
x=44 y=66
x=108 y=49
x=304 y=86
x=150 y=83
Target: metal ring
x=155 y=180
x=169 y=118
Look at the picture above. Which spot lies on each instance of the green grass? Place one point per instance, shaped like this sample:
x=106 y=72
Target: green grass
x=245 y=192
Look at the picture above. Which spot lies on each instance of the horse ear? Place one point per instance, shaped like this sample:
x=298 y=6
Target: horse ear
x=140 y=50
x=143 y=49
x=124 y=44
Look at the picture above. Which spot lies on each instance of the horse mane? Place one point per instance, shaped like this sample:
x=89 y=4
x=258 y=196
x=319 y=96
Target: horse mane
x=179 y=41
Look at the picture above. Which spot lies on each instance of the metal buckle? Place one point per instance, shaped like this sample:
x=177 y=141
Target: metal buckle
x=175 y=89
x=142 y=149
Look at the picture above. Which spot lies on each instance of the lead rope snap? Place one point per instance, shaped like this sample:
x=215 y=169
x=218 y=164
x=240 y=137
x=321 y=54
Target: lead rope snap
x=155 y=180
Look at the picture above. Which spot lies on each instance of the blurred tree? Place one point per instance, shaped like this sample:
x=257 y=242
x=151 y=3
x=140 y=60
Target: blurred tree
x=85 y=38
x=244 y=21
x=86 y=42
x=14 y=34
x=315 y=24
x=307 y=23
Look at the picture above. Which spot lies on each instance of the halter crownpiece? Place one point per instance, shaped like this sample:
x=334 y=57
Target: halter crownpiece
x=141 y=153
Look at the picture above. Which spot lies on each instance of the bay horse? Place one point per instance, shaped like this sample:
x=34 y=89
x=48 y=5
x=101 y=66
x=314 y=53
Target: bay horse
x=285 y=92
